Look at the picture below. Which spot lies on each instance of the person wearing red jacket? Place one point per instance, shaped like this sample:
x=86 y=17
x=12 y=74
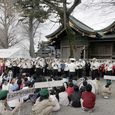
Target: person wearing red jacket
x=88 y=99
x=70 y=89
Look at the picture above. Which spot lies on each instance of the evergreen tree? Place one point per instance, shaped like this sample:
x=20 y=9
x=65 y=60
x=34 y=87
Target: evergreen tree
x=40 y=9
x=60 y=7
x=34 y=12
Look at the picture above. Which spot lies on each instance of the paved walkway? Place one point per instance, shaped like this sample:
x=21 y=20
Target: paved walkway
x=103 y=106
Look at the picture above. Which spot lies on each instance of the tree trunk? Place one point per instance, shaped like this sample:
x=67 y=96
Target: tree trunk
x=6 y=43
x=71 y=39
x=31 y=48
x=69 y=31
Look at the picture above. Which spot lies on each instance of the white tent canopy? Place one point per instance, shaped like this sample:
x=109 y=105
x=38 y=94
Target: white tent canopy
x=14 y=53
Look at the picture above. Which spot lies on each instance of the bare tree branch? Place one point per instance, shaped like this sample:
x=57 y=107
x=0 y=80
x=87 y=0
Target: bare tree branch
x=51 y=4
x=70 y=10
x=7 y=20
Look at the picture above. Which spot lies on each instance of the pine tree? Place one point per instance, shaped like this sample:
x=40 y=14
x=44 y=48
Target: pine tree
x=41 y=9
x=34 y=12
x=60 y=8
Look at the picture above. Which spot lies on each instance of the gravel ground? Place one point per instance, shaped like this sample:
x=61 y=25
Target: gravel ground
x=102 y=107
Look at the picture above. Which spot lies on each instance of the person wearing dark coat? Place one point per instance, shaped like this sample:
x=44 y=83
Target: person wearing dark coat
x=75 y=97
x=83 y=88
x=87 y=68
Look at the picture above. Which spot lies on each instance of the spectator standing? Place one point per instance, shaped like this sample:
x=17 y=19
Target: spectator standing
x=94 y=69
x=72 y=69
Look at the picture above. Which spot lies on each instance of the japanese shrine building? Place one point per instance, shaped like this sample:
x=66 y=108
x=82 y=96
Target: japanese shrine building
x=88 y=42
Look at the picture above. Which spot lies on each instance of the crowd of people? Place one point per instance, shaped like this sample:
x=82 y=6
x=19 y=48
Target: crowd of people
x=58 y=67
x=19 y=74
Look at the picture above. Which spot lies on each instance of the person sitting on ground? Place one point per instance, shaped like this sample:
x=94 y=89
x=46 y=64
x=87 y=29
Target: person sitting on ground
x=5 y=85
x=63 y=97
x=75 y=97
x=70 y=90
x=43 y=105
x=13 y=85
x=88 y=99
x=4 y=107
x=97 y=85
x=83 y=88
x=53 y=98
x=106 y=90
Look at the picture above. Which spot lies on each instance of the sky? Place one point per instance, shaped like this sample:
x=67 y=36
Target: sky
x=95 y=16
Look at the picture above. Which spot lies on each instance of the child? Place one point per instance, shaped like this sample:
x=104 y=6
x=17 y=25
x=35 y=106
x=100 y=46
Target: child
x=106 y=90
x=88 y=99
x=4 y=107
